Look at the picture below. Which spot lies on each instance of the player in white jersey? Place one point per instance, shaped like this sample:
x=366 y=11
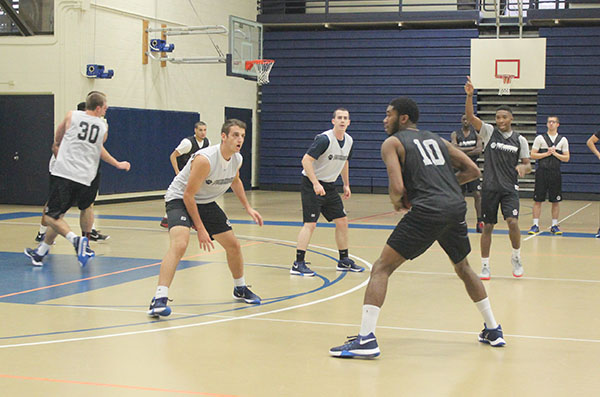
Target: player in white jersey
x=78 y=145
x=190 y=203
x=322 y=164
x=94 y=235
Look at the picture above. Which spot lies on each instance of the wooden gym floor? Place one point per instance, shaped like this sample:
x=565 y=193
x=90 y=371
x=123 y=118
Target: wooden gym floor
x=81 y=332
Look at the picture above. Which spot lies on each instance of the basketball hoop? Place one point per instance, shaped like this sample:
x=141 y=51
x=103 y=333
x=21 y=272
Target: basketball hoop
x=262 y=67
x=505 y=82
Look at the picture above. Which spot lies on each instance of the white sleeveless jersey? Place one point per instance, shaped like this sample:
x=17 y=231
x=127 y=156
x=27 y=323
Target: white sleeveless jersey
x=80 y=149
x=330 y=164
x=220 y=176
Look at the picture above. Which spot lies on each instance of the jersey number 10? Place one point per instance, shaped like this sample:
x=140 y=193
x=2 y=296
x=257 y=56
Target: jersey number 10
x=431 y=152
x=93 y=132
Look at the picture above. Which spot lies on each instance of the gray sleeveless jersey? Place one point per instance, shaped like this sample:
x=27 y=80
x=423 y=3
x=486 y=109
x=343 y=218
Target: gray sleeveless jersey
x=428 y=175
x=79 y=152
x=330 y=164
x=501 y=157
x=222 y=173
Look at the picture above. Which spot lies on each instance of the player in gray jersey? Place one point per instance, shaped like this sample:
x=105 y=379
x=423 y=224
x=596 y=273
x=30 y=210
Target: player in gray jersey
x=78 y=146
x=420 y=167
x=326 y=159
x=190 y=203
x=503 y=149
x=469 y=142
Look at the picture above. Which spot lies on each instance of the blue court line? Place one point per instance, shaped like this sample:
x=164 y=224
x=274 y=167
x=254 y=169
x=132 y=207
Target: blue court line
x=18 y=215
x=326 y=283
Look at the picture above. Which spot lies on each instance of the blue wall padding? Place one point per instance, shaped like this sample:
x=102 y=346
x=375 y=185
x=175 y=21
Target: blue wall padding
x=361 y=70
x=573 y=94
x=145 y=138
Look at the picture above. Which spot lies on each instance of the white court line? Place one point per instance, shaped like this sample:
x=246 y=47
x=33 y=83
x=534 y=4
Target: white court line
x=369 y=265
x=439 y=331
x=573 y=280
x=561 y=221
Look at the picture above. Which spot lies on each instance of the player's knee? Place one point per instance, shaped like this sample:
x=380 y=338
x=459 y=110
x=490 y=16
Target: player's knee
x=179 y=245
x=342 y=222
x=311 y=226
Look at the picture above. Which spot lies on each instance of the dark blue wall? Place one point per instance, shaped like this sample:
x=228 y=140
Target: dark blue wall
x=361 y=70
x=573 y=94
x=145 y=138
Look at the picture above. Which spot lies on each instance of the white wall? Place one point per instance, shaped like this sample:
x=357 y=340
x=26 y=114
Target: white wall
x=109 y=32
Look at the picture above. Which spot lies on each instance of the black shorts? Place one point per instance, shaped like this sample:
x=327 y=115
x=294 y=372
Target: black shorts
x=471 y=187
x=65 y=193
x=329 y=205
x=418 y=230
x=214 y=219
x=547 y=183
x=507 y=200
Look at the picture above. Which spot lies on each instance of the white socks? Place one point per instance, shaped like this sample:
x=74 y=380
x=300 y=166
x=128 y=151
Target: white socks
x=71 y=237
x=485 y=262
x=486 y=311
x=43 y=248
x=43 y=229
x=536 y=221
x=516 y=252
x=239 y=282
x=554 y=222
x=370 y=314
x=161 y=292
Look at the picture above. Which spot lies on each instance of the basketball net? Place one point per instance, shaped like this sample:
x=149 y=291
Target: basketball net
x=505 y=82
x=262 y=67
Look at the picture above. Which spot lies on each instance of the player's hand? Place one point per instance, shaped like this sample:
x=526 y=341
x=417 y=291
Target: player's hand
x=318 y=188
x=123 y=165
x=521 y=170
x=347 y=192
x=255 y=216
x=469 y=89
x=204 y=240
x=551 y=150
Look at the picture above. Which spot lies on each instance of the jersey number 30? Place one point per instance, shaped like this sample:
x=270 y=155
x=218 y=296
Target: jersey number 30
x=93 y=132
x=430 y=151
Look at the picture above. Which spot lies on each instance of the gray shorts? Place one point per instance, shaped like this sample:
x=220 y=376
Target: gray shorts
x=214 y=219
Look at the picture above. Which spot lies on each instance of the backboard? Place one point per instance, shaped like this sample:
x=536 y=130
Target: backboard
x=525 y=59
x=245 y=44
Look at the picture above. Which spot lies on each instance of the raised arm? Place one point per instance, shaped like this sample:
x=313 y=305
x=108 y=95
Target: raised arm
x=469 y=112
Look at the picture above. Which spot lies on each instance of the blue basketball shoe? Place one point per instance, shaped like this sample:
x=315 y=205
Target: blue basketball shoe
x=244 y=294
x=158 y=307
x=348 y=265
x=300 y=269
x=83 y=250
x=534 y=229
x=357 y=346
x=493 y=337
x=36 y=259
